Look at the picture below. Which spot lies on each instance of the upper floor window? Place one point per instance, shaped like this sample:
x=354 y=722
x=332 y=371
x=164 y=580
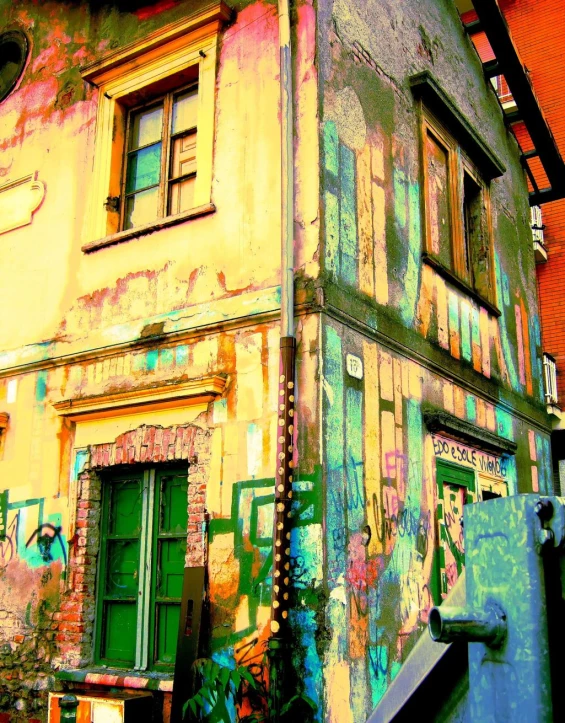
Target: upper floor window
x=154 y=96
x=160 y=163
x=457 y=212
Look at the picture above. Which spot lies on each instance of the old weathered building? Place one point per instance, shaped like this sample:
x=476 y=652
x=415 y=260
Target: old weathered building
x=140 y=227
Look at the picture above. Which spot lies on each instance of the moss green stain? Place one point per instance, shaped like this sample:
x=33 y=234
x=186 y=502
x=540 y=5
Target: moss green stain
x=348 y=217
x=399 y=182
x=537 y=364
x=504 y=425
x=331 y=226
x=471 y=408
x=331 y=144
x=333 y=431
x=508 y=352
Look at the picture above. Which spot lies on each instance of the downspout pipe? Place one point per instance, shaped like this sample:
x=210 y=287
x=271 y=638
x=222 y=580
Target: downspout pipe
x=287 y=174
x=279 y=643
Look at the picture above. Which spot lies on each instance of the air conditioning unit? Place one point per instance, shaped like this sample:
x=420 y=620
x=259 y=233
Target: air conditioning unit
x=540 y=251
x=120 y=707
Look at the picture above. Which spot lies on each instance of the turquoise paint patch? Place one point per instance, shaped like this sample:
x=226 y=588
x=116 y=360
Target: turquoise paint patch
x=543 y=454
x=504 y=424
x=399 y=182
x=41 y=385
x=81 y=458
x=354 y=460
x=333 y=449
x=511 y=474
x=505 y=289
x=331 y=144
x=507 y=350
x=348 y=216
x=378 y=666
x=547 y=464
x=537 y=364
x=394 y=670
x=331 y=224
x=151 y=359
x=405 y=545
x=471 y=407
x=225 y=657
x=166 y=358
x=181 y=354
x=304 y=622
x=465 y=333
x=408 y=299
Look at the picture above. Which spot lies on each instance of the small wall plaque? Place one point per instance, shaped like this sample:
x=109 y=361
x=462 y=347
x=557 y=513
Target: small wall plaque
x=354 y=366
x=19 y=200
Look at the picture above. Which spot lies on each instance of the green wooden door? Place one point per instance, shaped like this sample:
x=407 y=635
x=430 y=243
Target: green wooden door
x=119 y=570
x=456 y=488
x=169 y=546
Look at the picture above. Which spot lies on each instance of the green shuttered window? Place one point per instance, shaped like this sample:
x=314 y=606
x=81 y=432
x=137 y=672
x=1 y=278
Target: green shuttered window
x=142 y=558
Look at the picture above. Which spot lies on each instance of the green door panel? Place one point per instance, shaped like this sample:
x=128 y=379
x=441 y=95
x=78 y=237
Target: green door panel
x=171 y=574
x=122 y=567
x=125 y=508
x=167 y=632
x=174 y=503
x=121 y=625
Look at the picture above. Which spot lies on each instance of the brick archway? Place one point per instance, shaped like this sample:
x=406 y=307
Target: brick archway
x=148 y=444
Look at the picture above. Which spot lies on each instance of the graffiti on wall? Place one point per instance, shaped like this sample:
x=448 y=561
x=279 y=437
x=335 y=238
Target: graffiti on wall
x=30 y=536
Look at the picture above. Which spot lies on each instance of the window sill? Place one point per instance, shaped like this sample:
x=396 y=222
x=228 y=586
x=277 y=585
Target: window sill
x=448 y=275
x=118 y=678
x=148 y=228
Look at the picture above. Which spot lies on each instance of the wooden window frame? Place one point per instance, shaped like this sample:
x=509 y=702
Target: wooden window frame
x=150 y=537
x=167 y=137
x=163 y=61
x=458 y=164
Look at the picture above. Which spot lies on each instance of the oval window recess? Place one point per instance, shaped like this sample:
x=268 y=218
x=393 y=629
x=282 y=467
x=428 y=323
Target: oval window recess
x=13 y=56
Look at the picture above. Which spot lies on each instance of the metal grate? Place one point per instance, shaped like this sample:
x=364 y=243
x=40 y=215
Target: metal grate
x=537 y=224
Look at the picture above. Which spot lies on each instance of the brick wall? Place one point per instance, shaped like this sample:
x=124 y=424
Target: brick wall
x=537 y=30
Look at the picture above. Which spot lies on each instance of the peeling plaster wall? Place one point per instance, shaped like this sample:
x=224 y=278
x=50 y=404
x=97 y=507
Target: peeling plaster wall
x=392 y=545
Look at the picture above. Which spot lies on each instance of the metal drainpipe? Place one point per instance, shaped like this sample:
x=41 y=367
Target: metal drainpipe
x=278 y=643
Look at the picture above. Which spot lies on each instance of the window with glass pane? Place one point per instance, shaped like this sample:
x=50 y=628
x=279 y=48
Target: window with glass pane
x=458 y=235
x=160 y=164
x=142 y=558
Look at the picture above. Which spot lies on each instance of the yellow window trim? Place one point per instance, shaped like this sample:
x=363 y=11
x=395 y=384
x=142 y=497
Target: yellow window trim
x=190 y=43
x=166 y=396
